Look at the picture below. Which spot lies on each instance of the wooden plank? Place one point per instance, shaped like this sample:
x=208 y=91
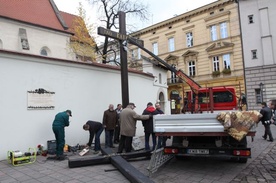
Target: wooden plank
x=130 y=172
x=118 y=36
x=80 y=161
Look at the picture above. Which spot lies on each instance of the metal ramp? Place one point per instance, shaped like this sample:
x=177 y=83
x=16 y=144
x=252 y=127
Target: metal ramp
x=158 y=158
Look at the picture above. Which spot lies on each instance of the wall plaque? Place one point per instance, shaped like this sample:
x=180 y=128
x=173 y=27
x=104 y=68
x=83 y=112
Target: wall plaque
x=40 y=99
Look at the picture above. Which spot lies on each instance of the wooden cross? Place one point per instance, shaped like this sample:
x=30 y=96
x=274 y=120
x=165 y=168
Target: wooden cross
x=121 y=36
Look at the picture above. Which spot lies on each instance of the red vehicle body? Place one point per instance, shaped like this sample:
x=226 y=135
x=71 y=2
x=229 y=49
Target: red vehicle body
x=222 y=98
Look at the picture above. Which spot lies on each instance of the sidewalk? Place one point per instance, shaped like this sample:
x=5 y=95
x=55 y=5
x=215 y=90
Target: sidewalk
x=260 y=169
x=189 y=171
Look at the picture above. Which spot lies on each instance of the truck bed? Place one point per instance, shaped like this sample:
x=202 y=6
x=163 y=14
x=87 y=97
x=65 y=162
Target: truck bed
x=204 y=124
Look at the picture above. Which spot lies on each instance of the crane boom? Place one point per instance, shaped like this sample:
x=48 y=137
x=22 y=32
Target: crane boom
x=193 y=84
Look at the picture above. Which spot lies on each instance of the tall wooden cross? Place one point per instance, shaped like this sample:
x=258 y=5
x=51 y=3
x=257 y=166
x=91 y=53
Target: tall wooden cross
x=121 y=36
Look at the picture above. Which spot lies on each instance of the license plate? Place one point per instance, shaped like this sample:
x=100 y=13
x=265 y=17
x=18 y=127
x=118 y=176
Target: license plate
x=198 y=151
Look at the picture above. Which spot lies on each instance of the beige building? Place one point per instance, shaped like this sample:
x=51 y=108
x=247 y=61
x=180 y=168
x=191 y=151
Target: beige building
x=205 y=43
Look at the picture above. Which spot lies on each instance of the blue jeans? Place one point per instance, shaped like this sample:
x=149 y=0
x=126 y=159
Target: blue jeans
x=109 y=138
x=97 y=140
x=147 y=136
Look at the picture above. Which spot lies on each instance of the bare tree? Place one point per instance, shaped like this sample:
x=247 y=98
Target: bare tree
x=108 y=11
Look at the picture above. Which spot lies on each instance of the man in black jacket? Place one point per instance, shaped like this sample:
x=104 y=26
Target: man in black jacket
x=95 y=129
x=267 y=114
x=148 y=126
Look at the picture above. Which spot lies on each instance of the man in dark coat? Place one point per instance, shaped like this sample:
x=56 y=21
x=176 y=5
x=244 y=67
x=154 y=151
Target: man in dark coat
x=95 y=129
x=267 y=115
x=110 y=121
x=148 y=126
x=61 y=120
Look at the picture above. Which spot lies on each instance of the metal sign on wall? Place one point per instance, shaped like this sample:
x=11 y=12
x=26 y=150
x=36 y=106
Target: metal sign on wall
x=40 y=99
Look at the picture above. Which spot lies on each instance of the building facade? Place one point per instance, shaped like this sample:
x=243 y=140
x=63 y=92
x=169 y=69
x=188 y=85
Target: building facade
x=205 y=43
x=259 y=39
x=39 y=28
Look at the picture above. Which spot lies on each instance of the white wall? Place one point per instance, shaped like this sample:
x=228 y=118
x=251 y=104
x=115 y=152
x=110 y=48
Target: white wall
x=37 y=38
x=85 y=89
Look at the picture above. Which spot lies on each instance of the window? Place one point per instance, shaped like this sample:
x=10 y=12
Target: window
x=139 y=53
x=189 y=39
x=171 y=44
x=155 y=48
x=118 y=60
x=173 y=75
x=221 y=33
x=216 y=63
x=191 y=68
x=43 y=52
x=136 y=54
x=160 y=78
x=254 y=54
x=250 y=19
x=258 y=96
x=213 y=33
x=220 y=97
x=223 y=30
x=226 y=61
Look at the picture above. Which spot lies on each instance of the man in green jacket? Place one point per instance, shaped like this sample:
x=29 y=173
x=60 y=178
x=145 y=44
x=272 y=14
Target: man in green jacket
x=61 y=120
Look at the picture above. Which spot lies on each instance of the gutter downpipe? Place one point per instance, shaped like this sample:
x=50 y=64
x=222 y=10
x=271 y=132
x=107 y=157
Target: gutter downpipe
x=245 y=88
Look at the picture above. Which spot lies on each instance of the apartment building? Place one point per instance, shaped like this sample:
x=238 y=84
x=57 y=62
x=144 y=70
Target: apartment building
x=205 y=43
x=259 y=39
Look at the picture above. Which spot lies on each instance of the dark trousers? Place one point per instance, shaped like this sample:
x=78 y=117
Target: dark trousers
x=117 y=134
x=125 y=143
x=60 y=141
x=147 y=136
x=97 y=140
x=268 y=132
x=109 y=138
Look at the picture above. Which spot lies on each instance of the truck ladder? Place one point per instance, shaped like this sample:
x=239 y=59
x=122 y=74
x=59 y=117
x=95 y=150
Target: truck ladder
x=158 y=158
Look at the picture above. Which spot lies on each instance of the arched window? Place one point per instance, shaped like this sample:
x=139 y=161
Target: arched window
x=45 y=51
x=161 y=98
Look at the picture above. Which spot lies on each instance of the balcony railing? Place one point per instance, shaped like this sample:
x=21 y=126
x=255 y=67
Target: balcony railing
x=172 y=81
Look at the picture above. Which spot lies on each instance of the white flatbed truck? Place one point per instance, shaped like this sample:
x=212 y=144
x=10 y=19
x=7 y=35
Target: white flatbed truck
x=200 y=135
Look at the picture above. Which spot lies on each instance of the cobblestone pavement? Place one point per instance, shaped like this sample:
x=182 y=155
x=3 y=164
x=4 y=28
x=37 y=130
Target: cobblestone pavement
x=191 y=170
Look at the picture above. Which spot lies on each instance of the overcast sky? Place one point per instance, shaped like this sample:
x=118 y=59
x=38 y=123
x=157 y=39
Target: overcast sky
x=159 y=10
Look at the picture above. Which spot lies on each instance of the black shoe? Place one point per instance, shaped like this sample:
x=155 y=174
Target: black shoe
x=264 y=137
x=270 y=140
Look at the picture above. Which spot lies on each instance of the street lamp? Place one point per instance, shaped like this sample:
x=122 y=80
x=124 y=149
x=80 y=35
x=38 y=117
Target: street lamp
x=261 y=90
